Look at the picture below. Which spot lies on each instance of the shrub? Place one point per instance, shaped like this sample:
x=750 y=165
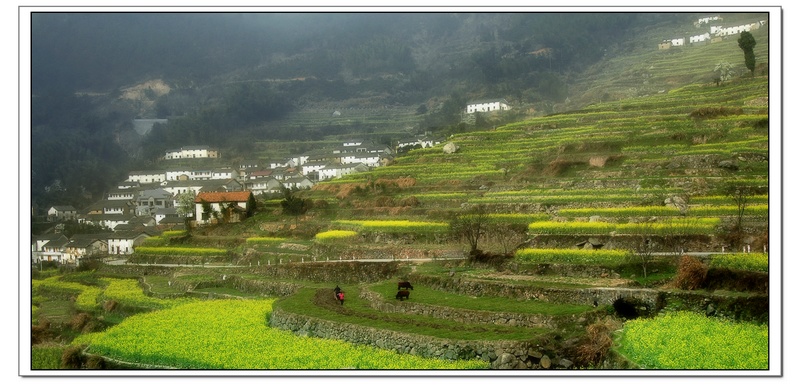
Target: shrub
x=110 y=305
x=691 y=273
x=72 y=358
x=593 y=350
x=40 y=332
x=95 y=362
x=81 y=322
x=410 y=201
x=559 y=166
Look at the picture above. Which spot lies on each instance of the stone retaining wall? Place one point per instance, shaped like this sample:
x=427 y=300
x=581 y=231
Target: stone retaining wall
x=587 y=296
x=500 y=354
x=379 y=303
x=334 y=272
x=750 y=308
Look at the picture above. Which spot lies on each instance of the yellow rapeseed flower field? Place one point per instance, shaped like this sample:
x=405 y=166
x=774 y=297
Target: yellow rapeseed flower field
x=234 y=334
x=687 y=340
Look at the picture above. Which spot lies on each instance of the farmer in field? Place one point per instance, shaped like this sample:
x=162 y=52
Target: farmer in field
x=338 y=294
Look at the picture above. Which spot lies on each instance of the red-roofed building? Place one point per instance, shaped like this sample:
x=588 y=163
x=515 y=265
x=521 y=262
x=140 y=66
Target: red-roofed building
x=230 y=206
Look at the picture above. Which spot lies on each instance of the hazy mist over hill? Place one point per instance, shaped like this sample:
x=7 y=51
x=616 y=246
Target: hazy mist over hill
x=225 y=79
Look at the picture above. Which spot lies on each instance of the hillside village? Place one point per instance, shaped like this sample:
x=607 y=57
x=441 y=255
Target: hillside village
x=150 y=202
x=717 y=31
x=554 y=241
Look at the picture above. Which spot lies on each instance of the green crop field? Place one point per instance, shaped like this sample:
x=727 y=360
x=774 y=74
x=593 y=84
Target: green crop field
x=216 y=334
x=692 y=341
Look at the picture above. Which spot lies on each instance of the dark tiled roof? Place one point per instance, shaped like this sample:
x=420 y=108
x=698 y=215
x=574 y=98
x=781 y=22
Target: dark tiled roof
x=64 y=208
x=81 y=242
x=229 y=196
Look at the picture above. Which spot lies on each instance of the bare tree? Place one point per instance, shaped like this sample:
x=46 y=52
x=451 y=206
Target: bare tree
x=644 y=245
x=741 y=196
x=678 y=233
x=509 y=235
x=470 y=226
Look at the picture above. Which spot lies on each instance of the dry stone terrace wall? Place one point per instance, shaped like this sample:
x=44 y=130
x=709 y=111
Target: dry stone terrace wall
x=585 y=296
x=334 y=272
x=500 y=354
x=378 y=302
x=740 y=307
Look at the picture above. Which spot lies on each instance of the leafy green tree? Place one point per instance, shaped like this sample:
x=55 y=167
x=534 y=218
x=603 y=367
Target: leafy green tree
x=208 y=211
x=251 y=205
x=747 y=42
x=293 y=206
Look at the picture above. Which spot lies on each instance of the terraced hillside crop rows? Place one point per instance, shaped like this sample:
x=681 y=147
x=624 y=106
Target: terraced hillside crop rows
x=632 y=153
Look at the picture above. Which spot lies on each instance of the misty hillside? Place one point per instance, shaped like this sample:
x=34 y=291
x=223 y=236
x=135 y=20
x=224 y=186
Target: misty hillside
x=226 y=79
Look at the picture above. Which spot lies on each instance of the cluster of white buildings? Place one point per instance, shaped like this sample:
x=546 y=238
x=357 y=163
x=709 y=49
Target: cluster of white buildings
x=716 y=32
x=487 y=105
x=192 y=152
x=298 y=171
x=149 y=202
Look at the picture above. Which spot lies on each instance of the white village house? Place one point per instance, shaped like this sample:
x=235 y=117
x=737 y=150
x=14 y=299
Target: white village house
x=737 y=29
x=178 y=174
x=128 y=194
x=312 y=166
x=224 y=173
x=231 y=206
x=489 y=105
x=79 y=247
x=192 y=152
x=123 y=243
x=147 y=176
x=699 y=38
x=298 y=182
x=110 y=221
x=61 y=213
x=338 y=170
x=42 y=250
x=423 y=141
x=265 y=185
x=150 y=200
x=367 y=159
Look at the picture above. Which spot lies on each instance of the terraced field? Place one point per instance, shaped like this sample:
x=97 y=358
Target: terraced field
x=586 y=217
x=229 y=318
